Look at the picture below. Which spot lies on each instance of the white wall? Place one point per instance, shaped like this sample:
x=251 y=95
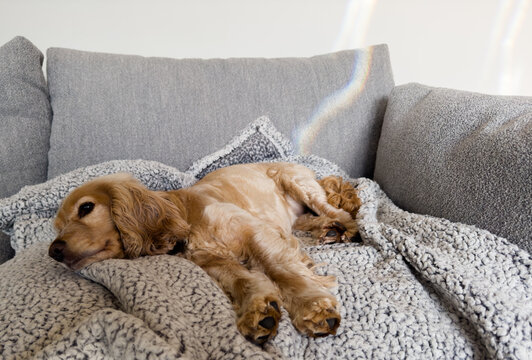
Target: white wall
x=477 y=45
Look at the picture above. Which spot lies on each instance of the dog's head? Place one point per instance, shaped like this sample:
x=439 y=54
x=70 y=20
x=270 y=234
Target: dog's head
x=115 y=216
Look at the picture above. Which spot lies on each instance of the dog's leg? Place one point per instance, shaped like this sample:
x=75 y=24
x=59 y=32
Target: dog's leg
x=270 y=253
x=222 y=252
x=326 y=230
x=337 y=225
x=255 y=298
x=312 y=308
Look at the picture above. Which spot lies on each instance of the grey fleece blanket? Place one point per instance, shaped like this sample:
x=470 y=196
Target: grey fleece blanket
x=418 y=287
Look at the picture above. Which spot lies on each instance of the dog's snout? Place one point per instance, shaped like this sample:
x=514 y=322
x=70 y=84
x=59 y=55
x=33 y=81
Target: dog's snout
x=56 y=250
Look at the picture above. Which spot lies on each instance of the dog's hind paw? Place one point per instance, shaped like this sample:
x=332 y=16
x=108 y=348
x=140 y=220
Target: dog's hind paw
x=336 y=232
x=317 y=317
x=260 y=319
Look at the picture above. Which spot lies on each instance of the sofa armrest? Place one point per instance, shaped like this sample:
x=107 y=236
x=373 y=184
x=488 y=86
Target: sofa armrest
x=459 y=155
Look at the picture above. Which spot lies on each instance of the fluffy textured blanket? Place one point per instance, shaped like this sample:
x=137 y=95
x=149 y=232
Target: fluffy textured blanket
x=418 y=287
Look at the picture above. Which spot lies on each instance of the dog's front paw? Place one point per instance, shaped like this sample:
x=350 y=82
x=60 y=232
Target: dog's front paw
x=317 y=317
x=259 y=319
x=336 y=232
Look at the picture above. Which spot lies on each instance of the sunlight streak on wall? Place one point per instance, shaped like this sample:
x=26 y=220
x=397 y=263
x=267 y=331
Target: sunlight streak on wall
x=304 y=137
x=352 y=35
x=500 y=59
x=355 y=24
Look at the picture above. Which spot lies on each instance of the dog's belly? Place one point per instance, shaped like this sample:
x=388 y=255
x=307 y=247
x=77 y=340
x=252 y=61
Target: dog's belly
x=228 y=230
x=252 y=190
x=231 y=216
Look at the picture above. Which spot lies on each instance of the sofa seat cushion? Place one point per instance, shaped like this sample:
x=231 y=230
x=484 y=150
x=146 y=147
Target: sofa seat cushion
x=175 y=111
x=460 y=155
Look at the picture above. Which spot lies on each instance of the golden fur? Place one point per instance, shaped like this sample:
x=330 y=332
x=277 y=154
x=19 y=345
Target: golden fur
x=237 y=225
x=342 y=195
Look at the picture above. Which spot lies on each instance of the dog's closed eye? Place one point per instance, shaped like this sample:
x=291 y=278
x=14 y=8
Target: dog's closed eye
x=85 y=209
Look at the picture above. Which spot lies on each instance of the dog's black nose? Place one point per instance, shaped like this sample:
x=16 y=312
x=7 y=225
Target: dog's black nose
x=56 y=250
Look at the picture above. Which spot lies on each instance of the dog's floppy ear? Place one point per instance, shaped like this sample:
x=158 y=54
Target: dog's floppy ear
x=148 y=223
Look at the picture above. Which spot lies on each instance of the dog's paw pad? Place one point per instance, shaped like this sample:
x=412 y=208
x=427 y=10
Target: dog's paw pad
x=333 y=323
x=267 y=322
x=275 y=306
x=259 y=319
x=332 y=233
x=336 y=232
x=356 y=238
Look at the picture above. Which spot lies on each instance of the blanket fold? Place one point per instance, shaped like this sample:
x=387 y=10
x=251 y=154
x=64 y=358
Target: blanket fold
x=483 y=278
x=418 y=287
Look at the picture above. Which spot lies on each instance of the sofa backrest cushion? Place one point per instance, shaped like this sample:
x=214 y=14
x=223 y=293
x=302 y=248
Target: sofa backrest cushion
x=25 y=116
x=176 y=111
x=24 y=122
x=463 y=156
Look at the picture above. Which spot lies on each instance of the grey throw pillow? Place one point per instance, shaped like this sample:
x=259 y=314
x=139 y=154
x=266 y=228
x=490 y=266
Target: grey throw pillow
x=463 y=156
x=259 y=141
x=25 y=117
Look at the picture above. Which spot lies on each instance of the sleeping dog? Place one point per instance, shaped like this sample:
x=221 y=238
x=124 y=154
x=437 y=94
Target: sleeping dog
x=236 y=223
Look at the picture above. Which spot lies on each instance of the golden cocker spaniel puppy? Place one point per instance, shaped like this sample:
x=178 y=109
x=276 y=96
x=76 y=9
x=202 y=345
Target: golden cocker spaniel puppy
x=236 y=223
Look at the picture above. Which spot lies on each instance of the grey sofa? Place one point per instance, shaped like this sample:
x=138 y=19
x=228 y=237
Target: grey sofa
x=444 y=153
x=453 y=154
